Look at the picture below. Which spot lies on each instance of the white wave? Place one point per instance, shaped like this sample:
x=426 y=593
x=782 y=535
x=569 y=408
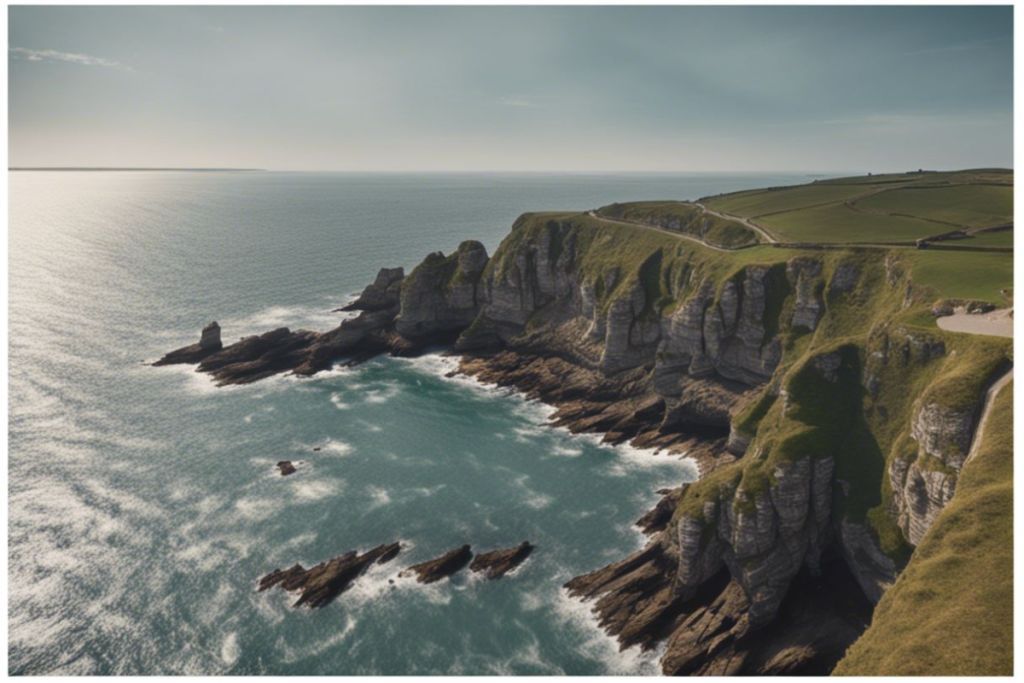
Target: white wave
x=427 y=490
x=597 y=644
x=378 y=496
x=370 y=427
x=256 y=508
x=527 y=434
x=334 y=447
x=311 y=490
x=382 y=395
x=567 y=451
x=336 y=400
x=229 y=648
x=317 y=317
x=447 y=368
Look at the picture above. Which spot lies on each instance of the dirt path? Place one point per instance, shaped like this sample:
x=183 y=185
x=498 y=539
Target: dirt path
x=637 y=224
x=742 y=221
x=990 y=399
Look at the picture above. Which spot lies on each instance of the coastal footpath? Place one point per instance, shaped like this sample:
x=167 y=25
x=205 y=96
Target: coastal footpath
x=831 y=418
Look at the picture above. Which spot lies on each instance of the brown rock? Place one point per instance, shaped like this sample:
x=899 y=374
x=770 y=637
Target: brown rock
x=286 y=467
x=324 y=582
x=497 y=563
x=441 y=567
x=209 y=343
x=660 y=515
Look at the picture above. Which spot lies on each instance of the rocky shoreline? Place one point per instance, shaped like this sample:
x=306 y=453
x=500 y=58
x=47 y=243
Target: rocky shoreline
x=594 y=378
x=757 y=571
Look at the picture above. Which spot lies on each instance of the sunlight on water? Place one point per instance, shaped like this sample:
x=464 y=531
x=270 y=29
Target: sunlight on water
x=144 y=502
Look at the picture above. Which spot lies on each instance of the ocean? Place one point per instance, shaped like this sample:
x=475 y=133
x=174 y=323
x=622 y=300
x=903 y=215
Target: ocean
x=144 y=503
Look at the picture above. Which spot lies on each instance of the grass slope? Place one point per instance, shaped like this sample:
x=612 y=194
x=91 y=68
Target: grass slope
x=683 y=217
x=963 y=274
x=951 y=610
x=888 y=208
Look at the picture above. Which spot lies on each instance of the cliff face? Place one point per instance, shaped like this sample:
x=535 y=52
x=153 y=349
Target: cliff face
x=792 y=378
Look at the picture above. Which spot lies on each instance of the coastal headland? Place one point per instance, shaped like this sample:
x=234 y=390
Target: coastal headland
x=786 y=340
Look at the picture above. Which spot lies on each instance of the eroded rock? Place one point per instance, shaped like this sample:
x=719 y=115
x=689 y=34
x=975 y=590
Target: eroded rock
x=441 y=567
x=497 y=563
x=321 y=584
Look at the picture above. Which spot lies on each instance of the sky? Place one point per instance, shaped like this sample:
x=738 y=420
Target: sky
x=755 y=89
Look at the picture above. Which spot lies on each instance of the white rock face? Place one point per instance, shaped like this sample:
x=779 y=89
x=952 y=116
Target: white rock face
x=763 y=538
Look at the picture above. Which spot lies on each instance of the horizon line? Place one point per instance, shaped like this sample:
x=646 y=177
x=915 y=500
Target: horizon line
x=490 y=171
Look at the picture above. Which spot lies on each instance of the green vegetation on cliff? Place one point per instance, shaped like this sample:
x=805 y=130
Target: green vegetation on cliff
x=951 y=610
x=685 y=218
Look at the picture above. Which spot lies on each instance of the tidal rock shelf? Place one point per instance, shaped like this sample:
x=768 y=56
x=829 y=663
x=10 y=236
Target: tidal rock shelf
x=320 y=585
x=497 y=563
x=442 y=567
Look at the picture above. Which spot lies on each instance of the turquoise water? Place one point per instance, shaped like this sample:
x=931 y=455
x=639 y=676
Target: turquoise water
x=143 y=502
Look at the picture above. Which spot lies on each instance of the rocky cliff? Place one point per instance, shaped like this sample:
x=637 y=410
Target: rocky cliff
x=829 y=425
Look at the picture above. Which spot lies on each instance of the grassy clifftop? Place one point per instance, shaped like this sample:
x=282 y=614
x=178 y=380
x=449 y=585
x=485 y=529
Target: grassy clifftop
x=889 y=208
x=951 y=610
x=686 y=218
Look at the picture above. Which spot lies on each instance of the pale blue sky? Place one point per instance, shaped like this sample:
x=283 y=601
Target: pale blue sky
x=512 y=88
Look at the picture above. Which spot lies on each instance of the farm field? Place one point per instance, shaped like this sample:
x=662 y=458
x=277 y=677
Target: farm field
x=883 y=208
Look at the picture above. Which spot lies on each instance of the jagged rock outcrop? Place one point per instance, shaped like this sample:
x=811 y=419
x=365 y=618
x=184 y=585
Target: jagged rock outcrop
x=496 y=563
x=259 y=356
x=727 y=338
x=440 y=297
x=286 y=467
x=763 y=537
x=320 y=585
x=804 y=275
x=659 y=517
x=844 y=279
x=209 y=343
x=381 y=294
x=922 y=487
x=441 y=567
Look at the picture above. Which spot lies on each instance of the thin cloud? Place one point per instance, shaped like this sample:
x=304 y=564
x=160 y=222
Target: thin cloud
x=29 y=55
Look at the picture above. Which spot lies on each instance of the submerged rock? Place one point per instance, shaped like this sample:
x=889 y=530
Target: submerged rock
x=497 y=563
x=323 y=583
x=441 y=567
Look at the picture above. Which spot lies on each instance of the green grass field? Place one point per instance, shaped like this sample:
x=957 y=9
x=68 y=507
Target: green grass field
x=1002 y=238
x=879 y=208
x=951 y=610
x=760 y=202
x=963 y=274
x=973 y=206
x=840 y=223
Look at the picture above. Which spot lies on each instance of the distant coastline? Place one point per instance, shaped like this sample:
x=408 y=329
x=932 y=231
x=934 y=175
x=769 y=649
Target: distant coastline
x=127 y=168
